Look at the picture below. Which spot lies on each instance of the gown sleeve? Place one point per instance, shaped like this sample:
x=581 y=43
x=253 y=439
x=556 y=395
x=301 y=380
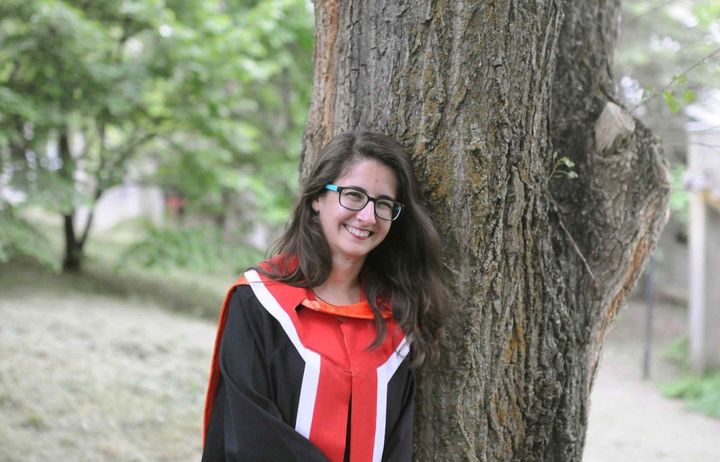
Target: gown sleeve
x=399 y=441
x=246 y=424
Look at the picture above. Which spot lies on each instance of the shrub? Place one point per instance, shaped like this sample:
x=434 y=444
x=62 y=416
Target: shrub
x=702 y=393
x=19 y=238
x=199 y=248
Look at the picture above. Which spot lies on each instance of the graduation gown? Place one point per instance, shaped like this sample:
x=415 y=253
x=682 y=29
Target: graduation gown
x=291 y=381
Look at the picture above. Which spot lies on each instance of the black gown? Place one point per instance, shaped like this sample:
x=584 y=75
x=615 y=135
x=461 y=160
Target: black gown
x=290 y=383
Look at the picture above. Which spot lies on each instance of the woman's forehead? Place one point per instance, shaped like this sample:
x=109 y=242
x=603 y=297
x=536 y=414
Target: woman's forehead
x=370 y=173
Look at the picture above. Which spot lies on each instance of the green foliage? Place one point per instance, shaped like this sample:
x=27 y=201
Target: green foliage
x=673 y=104
x=19 y=238
x=75 y=80
x=678 y=351
x=563 y=167
x=199 y=249
x=701 y=393
x=689 y=96
x=202 y=98
x=668 y=47
x=679 y=196
x=246 y=107
x=54 y=193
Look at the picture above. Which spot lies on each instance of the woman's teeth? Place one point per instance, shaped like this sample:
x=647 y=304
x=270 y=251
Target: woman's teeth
x=357 y=232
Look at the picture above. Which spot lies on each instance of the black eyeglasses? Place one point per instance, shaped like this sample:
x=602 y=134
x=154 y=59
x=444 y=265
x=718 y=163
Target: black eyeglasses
x=356 y=199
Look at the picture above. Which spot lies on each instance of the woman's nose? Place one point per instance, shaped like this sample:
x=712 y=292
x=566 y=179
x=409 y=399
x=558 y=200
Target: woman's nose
x=367 y=213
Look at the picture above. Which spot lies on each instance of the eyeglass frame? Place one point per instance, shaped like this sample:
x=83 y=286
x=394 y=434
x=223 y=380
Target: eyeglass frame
x=339 y=190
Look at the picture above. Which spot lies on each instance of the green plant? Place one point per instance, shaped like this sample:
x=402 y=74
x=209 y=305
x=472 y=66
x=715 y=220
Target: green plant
x=678 y=350
x=563 y=166
x=701 y=393
x=200 y=248
x=679 y=196
x=20 y=238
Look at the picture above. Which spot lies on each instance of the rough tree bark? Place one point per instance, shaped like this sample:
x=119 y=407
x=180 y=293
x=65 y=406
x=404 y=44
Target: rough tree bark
x=484 y=94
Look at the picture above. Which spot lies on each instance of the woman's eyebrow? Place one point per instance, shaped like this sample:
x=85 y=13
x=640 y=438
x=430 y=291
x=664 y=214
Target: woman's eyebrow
x=359 y=188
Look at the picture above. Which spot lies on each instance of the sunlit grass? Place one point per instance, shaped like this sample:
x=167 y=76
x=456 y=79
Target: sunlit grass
x=701 y=393
x=105 y=270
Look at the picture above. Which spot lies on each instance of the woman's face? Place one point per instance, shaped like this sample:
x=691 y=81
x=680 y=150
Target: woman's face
x=350 y=234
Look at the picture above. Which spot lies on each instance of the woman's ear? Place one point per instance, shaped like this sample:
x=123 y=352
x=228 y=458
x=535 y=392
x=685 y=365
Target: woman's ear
x=316 y=205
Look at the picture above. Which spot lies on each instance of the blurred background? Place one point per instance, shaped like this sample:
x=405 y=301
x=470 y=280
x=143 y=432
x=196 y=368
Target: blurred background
x=149 y=152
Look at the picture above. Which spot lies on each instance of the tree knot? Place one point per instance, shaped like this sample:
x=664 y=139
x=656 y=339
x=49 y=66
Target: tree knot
x=613 y=127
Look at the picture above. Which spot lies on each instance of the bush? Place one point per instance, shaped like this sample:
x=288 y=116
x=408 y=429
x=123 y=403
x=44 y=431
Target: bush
x=701 y=393
x=199 y=248
x=19 y=238
x=678 y=351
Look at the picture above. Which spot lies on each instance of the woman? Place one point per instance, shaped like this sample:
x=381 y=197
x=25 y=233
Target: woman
x=316 y=347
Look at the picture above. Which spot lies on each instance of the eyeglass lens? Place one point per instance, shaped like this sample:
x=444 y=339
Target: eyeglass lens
x=357 y=200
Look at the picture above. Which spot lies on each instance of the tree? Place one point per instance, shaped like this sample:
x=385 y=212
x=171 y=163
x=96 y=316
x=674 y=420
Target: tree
x=500 y=103
x=249 y=105
x=209 y=91
x=75 y=71
x=666 y=59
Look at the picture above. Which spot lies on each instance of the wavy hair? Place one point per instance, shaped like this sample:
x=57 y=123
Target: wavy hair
x=404 y=269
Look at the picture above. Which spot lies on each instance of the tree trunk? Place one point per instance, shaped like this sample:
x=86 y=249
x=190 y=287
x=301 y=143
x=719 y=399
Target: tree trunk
x=487 y=96
x=73 y=255
x=72 y=259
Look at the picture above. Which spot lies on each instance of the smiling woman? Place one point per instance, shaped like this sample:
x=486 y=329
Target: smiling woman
x=316 y=348
x=351 y=223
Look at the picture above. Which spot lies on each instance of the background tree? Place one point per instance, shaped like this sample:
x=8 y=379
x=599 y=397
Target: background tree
x=78 y=77
x=667 y=58
x=667 y=68
x=203 y=95
x=494 y=100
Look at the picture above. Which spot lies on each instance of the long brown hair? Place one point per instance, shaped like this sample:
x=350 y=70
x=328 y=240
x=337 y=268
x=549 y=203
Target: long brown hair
x=404 y=269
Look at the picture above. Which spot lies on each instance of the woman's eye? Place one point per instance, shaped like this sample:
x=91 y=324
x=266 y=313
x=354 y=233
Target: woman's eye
x=354 y=195
x=386 y=205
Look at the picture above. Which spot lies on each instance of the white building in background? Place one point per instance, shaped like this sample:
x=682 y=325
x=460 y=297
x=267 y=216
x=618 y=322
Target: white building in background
x=126 y=202
x=703 y=181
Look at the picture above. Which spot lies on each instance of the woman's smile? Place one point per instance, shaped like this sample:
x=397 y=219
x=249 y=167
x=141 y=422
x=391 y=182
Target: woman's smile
x=357 y=232
x=352 y=234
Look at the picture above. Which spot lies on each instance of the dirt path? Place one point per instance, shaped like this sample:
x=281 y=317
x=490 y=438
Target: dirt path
x=90 y=377
x=629 y=419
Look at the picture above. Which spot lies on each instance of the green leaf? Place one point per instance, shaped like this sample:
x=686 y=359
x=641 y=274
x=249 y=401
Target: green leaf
x=672 y=103
x=689 y=96
x=567 y=162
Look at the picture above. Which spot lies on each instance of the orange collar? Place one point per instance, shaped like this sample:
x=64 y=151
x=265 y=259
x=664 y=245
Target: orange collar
x=292 y=296
x=360 y=310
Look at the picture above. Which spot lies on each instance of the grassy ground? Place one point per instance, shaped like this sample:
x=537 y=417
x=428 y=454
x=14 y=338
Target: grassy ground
x=187 y=290
x=94 y=368
x=106 y=365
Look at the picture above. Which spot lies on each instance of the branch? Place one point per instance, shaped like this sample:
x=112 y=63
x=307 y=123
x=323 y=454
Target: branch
x=714 y=127
x=121 y=156
x=675 y=79
x=91 y=216
x=693 y=143
x=102 y=184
